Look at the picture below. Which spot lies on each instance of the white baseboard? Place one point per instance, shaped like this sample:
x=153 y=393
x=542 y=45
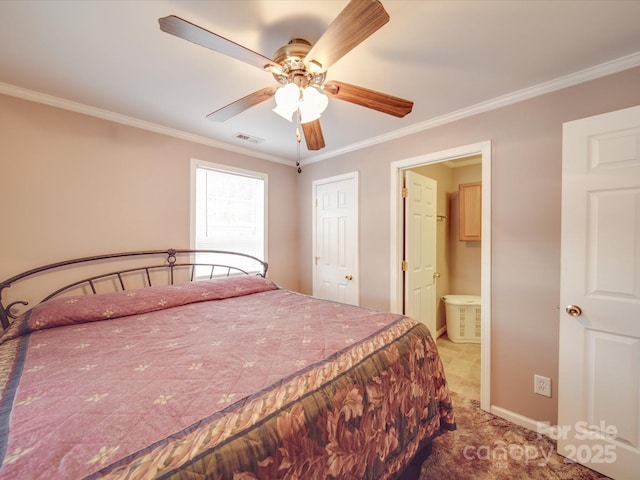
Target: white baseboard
x=544 y=428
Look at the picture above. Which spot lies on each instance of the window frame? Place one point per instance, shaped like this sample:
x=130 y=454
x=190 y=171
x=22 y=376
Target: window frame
x=197 y=163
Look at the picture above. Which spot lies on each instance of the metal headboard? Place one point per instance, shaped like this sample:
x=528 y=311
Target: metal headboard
x=171 y=263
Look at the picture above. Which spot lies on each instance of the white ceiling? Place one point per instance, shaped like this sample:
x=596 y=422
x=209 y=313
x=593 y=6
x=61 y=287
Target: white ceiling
x=110 y=59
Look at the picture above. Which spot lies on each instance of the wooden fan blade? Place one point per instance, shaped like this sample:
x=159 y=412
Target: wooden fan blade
x=188 y=31
x=358 y=20
x=241 y=105
x=313 y=135
x=396 y=106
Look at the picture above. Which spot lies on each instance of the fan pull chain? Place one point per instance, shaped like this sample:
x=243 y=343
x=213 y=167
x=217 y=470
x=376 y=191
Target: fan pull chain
x=299 y=139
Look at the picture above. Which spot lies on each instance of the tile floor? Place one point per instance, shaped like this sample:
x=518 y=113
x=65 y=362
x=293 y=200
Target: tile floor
x=461 y=366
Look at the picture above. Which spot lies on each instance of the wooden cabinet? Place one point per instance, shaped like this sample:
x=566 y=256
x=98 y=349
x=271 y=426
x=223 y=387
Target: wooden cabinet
x=470 y=211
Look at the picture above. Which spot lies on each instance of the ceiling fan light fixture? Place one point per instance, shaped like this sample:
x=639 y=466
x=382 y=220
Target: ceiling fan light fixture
x=318 y=99
x=287 y=100
x=312 y=105
x=286 y=114
x=287 y=97
x=308 y=113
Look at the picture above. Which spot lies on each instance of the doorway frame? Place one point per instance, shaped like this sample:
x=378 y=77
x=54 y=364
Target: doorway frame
x=397 y=239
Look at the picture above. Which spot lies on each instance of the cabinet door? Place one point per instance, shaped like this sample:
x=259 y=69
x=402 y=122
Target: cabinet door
x=470 y=205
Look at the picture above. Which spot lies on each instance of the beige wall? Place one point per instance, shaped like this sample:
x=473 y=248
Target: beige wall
x=74 y=185
x=526 y=185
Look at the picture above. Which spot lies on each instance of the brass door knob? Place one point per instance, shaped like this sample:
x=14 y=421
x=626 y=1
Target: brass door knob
x=573 y=310
x=349 y=277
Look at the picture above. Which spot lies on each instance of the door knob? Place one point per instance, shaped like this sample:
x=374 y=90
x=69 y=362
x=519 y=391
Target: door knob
x=349 y=277
x=573 y=310
x=436 y=275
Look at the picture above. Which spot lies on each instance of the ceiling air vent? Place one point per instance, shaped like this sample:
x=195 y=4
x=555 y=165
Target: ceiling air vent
x=248 y=138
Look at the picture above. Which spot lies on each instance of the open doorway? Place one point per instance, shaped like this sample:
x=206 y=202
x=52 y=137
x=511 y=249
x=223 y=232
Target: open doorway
x=456 y=316
x=482 y=152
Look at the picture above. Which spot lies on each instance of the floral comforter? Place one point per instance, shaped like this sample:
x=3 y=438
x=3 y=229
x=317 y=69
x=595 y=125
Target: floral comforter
x=224 y=379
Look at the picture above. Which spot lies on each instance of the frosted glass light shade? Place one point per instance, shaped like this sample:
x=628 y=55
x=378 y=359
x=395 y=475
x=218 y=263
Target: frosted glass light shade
x=318 y=99
x=286 y=114
x=288 y=96
x=287 y=100
x=312 y=105
x=311 y=102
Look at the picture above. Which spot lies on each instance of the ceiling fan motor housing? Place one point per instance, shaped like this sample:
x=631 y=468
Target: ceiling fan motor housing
x=294 y=70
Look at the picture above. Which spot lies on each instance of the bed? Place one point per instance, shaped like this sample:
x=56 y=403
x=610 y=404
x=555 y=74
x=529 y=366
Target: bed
x=149 y=371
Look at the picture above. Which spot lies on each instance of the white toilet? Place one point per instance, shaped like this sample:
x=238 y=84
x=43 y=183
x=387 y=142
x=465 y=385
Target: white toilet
x=463 y=316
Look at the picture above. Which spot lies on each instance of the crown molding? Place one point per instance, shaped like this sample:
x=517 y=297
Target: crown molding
x=582 y=76
x=592 y=73
x=64 y=104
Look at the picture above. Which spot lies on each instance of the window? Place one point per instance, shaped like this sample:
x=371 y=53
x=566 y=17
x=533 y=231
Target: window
x=229 y=213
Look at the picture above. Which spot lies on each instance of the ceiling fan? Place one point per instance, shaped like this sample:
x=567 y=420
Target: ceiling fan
x=301 y=68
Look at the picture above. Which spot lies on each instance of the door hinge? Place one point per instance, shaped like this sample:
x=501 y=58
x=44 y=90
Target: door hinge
x=405 y=265
x=405 y=192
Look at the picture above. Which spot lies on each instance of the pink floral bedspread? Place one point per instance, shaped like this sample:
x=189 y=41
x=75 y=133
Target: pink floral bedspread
x=225 y=379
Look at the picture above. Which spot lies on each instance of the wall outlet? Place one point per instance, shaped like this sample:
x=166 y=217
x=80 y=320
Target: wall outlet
x=542 y=385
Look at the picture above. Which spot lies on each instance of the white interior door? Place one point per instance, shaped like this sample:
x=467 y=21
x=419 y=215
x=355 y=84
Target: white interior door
x=421 y=196
x=335 y=236
x=599 y=372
